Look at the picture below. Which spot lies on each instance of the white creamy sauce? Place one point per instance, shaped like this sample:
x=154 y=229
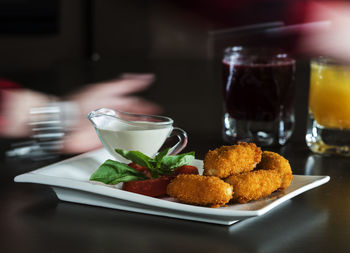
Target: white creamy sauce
x=148 y=138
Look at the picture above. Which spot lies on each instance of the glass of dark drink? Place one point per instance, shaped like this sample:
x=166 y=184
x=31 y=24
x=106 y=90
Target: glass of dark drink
x=258 y=91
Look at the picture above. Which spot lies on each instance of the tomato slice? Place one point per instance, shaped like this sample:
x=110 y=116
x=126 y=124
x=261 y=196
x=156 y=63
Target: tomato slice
x=140 y=168
x=155 y=187
x=186 y=169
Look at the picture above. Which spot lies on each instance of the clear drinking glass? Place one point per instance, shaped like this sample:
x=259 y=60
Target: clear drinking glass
x=258 y=90
x=328 y=123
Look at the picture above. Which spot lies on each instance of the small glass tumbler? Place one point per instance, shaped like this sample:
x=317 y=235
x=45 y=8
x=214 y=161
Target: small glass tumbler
x=328 y=122
x=258 y=90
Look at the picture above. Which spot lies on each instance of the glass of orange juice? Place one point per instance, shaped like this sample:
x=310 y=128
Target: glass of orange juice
x=328 y=127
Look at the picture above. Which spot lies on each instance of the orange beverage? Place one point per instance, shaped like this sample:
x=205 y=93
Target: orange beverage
x=329 y=99
x=328 y=126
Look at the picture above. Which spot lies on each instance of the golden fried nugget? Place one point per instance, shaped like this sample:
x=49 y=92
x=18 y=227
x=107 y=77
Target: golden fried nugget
x=274 y=161
x=200 y=190
x=228 y=160
x=254 y=185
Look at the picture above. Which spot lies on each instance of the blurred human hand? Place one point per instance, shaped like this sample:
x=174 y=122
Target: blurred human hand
x=14 y=110
x=333 y=41
x=118 y=94
x=115 y=94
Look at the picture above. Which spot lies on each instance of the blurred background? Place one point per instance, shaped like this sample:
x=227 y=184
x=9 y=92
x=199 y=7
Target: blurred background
x=58 y=46
x=40 y=36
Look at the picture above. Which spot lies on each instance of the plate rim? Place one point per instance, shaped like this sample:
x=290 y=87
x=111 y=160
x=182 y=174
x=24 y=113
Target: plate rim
x=99 y=189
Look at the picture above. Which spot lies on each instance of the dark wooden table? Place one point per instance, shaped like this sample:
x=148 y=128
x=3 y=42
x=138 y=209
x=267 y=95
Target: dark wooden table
x=32 y=219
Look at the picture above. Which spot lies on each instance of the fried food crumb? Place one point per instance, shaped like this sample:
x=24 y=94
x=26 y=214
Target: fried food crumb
x=200 y=190
x=227 y=160
x=254 y=185
x=239 y=173
x=276 y=162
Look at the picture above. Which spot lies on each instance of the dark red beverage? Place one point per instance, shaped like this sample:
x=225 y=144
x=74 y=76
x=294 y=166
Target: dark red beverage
x=258 y=91
x=258 y=88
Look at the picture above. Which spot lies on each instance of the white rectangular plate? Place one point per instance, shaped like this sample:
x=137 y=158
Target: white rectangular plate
x=70 y=181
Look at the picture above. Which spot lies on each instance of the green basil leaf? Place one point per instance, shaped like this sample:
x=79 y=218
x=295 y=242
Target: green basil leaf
x=113 y=172
x=159 y=157
x=174 y=161
x=136 y=157
x=126 y=178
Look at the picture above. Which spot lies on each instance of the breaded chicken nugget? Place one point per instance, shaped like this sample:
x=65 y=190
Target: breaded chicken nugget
x=200 y=190
x=254 y=185
x=227 y=160
x=274 y=161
